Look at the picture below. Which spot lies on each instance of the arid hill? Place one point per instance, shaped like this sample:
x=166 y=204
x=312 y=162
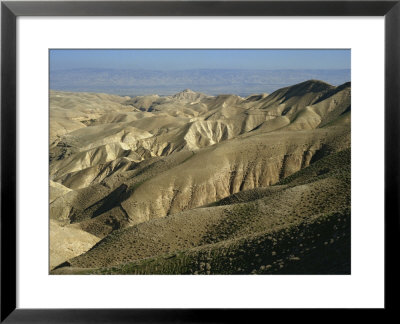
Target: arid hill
x=200 y=184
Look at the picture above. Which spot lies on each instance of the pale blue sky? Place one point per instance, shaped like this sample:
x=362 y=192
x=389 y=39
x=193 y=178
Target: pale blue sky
x=199 y=59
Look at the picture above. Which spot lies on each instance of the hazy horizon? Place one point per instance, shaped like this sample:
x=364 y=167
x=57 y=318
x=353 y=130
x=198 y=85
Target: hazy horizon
x=210 y=81
x=239 y=71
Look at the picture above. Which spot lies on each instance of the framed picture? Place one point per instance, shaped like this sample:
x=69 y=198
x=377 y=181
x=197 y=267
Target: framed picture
x=176 y=161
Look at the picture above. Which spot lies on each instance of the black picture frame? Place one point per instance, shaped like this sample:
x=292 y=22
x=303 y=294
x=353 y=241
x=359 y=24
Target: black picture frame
x=10 y=10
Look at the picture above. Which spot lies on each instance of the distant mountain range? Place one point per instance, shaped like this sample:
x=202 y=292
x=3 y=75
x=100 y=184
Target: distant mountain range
x=210 y=81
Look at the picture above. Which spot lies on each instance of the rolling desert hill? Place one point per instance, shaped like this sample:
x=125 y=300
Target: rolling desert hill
x=199 y=184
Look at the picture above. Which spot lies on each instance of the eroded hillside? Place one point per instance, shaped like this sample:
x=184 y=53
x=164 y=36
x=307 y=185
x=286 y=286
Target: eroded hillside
x=192 y=183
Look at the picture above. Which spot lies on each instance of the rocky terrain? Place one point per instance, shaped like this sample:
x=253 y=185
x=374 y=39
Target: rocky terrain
x=198 y=184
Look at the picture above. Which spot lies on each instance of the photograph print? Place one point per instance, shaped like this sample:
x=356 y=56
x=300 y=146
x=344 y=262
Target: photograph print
x=199 y=162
